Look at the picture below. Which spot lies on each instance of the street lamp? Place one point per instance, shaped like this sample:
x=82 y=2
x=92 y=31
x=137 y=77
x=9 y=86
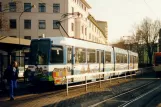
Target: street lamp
x=33 y=6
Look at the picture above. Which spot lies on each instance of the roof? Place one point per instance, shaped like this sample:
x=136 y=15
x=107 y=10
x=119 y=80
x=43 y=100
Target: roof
x=102 y=21
x=11 y=40
x=91 y=18
x=85 y=3
x=85 y=44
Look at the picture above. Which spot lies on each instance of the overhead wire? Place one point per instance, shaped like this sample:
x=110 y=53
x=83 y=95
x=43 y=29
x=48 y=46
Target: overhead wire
x=149 y=7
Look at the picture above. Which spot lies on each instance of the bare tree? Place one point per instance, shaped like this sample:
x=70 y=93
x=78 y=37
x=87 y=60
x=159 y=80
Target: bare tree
x=148 y=33
x=137 y=43
x=4 y=26
x=4 y=22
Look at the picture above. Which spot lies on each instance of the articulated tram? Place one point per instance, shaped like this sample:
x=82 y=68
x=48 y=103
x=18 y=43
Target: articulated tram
x=51 y=59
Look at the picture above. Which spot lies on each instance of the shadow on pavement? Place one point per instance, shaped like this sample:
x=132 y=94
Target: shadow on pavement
x=26 y=93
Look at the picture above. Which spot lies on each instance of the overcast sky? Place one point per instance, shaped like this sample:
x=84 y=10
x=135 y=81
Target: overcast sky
x=121 y=15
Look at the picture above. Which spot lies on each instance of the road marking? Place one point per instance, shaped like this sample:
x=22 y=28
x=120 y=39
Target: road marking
x=94 y=105
x=141 y=96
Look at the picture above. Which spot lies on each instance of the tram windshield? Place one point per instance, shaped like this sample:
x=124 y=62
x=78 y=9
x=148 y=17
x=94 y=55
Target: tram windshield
x=39 y=52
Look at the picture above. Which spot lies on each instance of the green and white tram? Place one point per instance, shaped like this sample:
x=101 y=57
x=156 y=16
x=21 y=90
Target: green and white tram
x=51 y=59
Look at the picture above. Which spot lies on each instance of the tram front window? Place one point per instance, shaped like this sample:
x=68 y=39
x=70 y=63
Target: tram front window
x=56 y=54
x=158 y=60
x=39 y=52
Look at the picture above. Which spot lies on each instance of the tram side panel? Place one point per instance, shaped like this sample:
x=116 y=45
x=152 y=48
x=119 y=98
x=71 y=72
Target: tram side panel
x=157 y=63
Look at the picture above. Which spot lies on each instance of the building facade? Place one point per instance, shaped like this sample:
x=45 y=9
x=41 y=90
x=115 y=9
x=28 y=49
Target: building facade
x=29 y=23
x=104 y=27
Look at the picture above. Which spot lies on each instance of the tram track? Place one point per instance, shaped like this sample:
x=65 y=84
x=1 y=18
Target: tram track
x=121 y=99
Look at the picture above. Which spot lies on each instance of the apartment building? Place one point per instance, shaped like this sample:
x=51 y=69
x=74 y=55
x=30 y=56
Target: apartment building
x=29 y=23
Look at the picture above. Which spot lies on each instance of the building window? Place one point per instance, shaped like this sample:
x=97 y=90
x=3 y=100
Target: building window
x=27 y=24
x=85 y=8
x=55 y=24
x=42 y=7
x=27 y=7
x=56 y=8
x=85 y=31
x=72 y=26
x=72 y=9
x=89 y=24
x=13 y=24
x=27 y=37
x=89 y=35
x=82 y=29
x=0 y=6
x=12 y=7
x=42 y=24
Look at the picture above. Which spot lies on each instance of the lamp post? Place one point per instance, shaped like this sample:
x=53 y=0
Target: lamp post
x=33 y=6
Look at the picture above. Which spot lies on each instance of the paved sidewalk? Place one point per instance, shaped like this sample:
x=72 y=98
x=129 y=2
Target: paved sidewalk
x=47 y=98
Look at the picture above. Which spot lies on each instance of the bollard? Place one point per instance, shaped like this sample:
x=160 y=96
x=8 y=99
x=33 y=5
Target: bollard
x=86 y=83
x=67 y=85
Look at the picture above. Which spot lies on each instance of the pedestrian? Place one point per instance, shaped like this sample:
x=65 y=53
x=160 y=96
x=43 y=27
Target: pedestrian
x=12 y=76
x=26 y=75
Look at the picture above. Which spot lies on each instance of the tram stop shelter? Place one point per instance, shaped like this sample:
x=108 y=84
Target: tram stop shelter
x=8 y=46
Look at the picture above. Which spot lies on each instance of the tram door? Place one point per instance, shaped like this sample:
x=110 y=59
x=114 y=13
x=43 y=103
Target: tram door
x=100 y=60
x=134 y=58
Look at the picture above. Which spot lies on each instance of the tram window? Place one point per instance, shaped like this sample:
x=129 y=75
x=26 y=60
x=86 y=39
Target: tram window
x=91 y=56
x=125 y=58
x=135 y=59
x=69 y=55
x=121 y=58
x=80 y=55
x=102 y=57
x=107 y=57
x=131 y=59
x=118 y=58
x=97 y=56
x=56 y=55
